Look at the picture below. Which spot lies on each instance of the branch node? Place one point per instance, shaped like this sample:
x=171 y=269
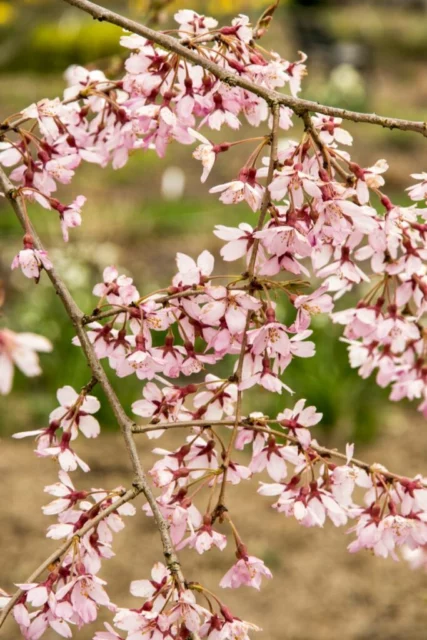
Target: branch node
x=218 y=512
x=231 y=81
x=138 y=484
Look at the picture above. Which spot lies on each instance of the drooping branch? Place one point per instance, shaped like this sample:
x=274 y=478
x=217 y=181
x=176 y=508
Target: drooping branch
x=298 y=105
x=60 y=551
x=125 y=423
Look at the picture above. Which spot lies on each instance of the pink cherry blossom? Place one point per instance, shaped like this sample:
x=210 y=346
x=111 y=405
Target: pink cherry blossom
x=246 y=188
x=239 y=240
x=418 y=191
x=191 y=272
x=218 y=403
x=308 y=305
x=66 y=495
x=70 y=216
x=205 y=538
x=31 y=262
x=76 y=412
x=160 y=576
x=247 y=571
x=86 y=593
x=330 y=130
x=117 y=289
x=299 y=420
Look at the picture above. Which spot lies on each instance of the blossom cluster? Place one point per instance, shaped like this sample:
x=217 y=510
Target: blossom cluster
x=169 y=613
x=72 y=416
x=72 y=591
x=324 y=223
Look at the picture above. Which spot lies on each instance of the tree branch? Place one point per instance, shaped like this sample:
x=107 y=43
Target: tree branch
x=297 y=105
x=252 y=426
x=125 y=423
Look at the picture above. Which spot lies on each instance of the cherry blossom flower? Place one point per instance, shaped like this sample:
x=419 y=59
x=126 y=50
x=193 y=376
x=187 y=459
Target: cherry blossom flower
x=257 y=370
x=76 y=412
x=192 y=22
x=317 y=302
x=66 y=495
x=206 y=153
x=66 y=456
x=9 y=154
x=369 y=178
x=246 y=188
x=294 y=181
x=241 y=27
x=239 y=240
x=248 y=571
x=70 y=216
x=160 y=576
x=161 y=404
x=418 y=191
x=217 y=628
x=116 y=289
x=299 y=420
x=86 y=593
x=230 y=308
x=205 y=538
x=45 y=111
x=272 y=336
x=217 y=402
x=31 y=262
x=330 y=130
x=296 y=71
x=272 y=457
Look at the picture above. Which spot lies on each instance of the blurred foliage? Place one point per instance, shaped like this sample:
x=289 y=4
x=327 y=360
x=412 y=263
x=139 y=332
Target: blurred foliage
x=360 y=58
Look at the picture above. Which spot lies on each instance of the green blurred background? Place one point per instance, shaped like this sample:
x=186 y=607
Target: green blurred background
x=362 y=55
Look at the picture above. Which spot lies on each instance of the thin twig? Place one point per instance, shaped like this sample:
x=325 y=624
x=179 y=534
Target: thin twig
x=188 y=293
x=251 y=426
